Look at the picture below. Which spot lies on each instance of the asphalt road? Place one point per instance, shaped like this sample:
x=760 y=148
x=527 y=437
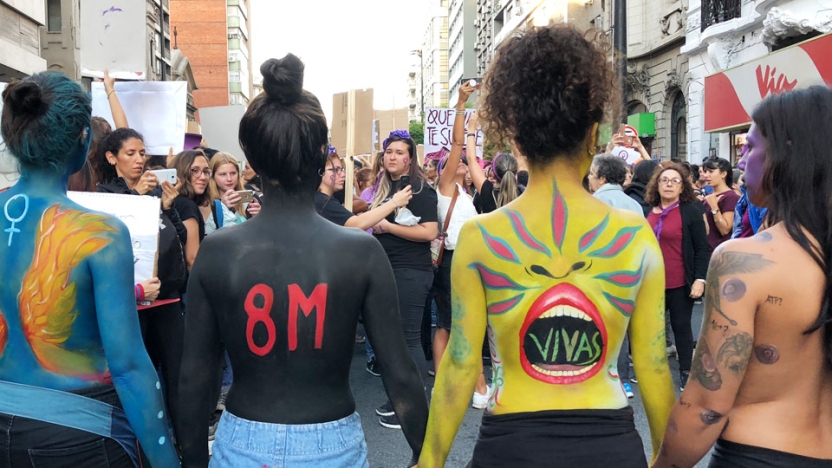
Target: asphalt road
x=388 y=448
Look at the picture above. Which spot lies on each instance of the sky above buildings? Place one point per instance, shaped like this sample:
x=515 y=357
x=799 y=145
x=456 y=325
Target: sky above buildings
x=345 y=44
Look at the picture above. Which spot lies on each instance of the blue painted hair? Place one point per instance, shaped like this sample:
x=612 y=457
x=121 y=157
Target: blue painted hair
x=42 y=121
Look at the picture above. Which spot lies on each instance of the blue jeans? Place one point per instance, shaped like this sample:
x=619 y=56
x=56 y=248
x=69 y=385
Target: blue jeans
x=334 y=444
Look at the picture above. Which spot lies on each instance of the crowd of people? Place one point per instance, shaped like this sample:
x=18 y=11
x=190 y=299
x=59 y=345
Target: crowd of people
x=560 y=267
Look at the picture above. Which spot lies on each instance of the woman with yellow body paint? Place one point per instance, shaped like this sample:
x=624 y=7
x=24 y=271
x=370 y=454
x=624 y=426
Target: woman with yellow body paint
x=555 y=279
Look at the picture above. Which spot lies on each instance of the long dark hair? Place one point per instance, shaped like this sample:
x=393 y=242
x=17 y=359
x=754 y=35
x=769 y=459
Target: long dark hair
x=796 y=186
x=113 y=142
x=182 y=164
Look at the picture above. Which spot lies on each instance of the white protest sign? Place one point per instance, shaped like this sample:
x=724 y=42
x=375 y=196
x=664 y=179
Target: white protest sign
x=141 y=216
x=156 y=109
x=114 y=37
x=629 y=154
x=221 y=129
x=439 y=125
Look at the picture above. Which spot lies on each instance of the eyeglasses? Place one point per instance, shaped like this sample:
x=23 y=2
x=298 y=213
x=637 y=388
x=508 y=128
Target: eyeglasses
x=337 y=170
x=674 y=181
x=195 y=172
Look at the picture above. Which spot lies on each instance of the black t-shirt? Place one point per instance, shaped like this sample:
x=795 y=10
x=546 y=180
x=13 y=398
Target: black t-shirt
x=331 y=210
x=403 y=253
x=187 y=209
x=486 y=200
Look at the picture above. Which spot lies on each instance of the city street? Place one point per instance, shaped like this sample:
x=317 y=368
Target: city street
x=388 y=448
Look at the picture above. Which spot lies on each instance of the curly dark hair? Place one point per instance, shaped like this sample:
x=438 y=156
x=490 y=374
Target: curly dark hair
x=545 y=89
x=112 y=142
x=652 y=196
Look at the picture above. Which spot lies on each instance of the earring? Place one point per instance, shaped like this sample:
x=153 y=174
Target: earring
x=590 y=152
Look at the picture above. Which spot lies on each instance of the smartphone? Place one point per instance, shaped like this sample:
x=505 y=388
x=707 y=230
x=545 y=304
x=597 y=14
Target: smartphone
x=165 y=175
x=476 y=81
x=246 y=196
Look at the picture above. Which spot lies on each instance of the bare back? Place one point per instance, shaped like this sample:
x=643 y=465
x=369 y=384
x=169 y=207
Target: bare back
x=787 y=387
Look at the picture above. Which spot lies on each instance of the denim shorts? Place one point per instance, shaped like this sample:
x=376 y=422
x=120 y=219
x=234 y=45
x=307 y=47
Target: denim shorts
x=335 y=444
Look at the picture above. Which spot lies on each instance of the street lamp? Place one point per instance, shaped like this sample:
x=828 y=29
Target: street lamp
x=421 y=79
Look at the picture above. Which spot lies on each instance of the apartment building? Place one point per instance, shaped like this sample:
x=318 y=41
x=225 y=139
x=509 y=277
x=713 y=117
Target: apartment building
x=215 y=35
x=435 y=58
x=20 y=21
x=742 y=51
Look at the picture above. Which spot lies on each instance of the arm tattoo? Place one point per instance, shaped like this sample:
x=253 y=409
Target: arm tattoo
x=710 y=417
x=734 y=353
x=459 y=347
x=730 y=263
x=704 y=370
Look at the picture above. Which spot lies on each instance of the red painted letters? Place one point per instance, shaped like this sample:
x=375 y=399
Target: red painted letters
x=297 y=299
x=260 y=315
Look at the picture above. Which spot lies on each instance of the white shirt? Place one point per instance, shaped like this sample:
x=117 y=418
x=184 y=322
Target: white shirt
x=463 y=211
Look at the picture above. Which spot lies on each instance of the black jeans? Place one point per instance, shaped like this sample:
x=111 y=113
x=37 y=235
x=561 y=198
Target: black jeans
x=163 y=332
x=27 y=443
x=680 y=305
x=442 y=283
x=413 y=287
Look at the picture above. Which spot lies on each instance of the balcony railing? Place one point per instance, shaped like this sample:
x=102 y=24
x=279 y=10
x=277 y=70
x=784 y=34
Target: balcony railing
x=719 y=11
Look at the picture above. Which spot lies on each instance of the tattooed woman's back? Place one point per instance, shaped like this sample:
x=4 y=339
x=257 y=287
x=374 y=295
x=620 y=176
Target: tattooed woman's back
x=761 y=379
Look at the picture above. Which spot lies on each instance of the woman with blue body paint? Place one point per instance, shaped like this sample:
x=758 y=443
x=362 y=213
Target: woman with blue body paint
x=78 y=387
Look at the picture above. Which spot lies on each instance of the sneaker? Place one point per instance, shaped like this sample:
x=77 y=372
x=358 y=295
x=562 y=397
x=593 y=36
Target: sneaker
x=221 y=402
x=481 y=399
x=390 y=422
x=628 y=389
x=360 y=339
x=633 y=379
x=385 y=409
x=683 y=379
x=671 y=350
x=374 y=368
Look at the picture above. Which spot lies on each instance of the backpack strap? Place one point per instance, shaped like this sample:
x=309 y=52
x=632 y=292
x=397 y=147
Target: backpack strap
x=216 y=210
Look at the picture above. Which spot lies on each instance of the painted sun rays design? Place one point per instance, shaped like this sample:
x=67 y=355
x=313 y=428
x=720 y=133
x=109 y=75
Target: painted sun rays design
x=588 y=244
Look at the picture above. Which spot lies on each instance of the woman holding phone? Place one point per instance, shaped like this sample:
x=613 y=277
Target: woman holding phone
x=406 y=235
x=226 y=191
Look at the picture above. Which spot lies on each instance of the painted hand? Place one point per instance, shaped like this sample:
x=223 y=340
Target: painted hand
x=147 y=183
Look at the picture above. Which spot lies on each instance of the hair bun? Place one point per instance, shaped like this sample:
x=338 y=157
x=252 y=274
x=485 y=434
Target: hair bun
x=283 y=79
x=25 y=98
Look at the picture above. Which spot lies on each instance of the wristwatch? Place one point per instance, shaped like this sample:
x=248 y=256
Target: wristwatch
x=714 y=212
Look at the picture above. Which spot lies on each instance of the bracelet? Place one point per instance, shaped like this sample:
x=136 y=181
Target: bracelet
x=460 y=112
x=139 y=292
x=110 y=93
x=471 y=134
x=394 y=202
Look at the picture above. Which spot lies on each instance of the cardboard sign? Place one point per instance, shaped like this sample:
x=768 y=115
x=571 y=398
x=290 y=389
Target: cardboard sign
x=439 y=125
x=141 y=216
x=156 y=109
x=114 y=37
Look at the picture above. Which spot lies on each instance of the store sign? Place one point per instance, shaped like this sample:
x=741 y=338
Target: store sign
x=732 y=95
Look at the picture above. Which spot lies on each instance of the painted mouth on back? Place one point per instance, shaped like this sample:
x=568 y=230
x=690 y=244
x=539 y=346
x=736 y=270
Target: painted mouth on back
x=563 y=340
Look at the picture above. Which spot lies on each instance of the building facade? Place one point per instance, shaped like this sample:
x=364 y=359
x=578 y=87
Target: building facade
x=214 y=34
x=61 y=39
x=742 y=51
x=462 y=37
x=435 y=58
x=20 y=21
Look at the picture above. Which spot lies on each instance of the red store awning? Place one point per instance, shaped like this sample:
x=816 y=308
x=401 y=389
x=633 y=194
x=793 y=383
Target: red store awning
x=732 y=95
